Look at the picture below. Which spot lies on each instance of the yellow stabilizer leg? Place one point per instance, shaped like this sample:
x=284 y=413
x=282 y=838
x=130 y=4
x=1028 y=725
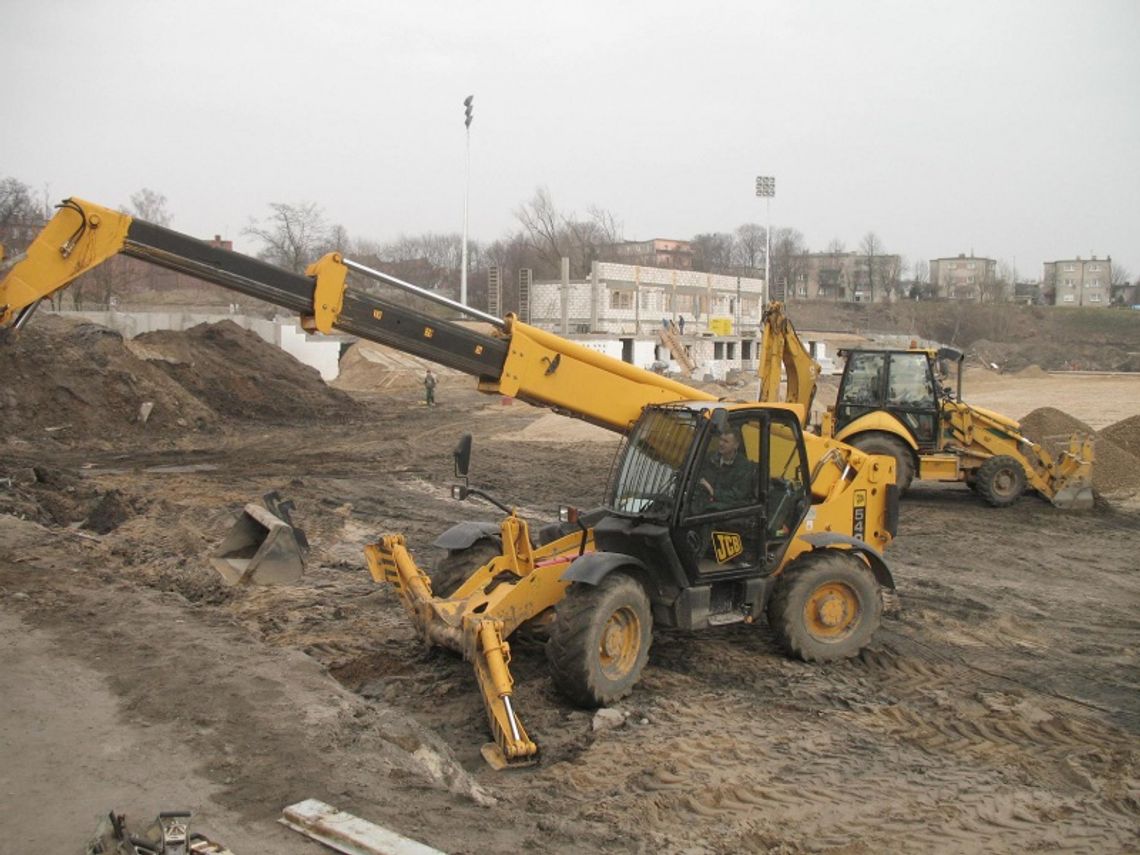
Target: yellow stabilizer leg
x=512 y=747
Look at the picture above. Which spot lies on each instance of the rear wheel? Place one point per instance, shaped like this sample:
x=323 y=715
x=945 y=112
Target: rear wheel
x=1000 y=481
x=826 y=606
x=600 y=639
x=453 y=569
x=884 y=443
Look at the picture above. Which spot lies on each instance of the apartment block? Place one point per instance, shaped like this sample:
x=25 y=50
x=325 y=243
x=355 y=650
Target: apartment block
x=1078 y=282
x=968 y=278
x=850 y=277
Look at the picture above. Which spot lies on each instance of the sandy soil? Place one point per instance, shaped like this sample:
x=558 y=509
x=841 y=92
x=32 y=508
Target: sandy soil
x=997 y=712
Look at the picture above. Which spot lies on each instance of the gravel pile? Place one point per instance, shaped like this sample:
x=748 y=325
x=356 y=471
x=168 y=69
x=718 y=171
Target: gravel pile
x=1115 y=470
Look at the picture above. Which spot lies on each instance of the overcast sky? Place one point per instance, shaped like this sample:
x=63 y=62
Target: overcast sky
x=1010 y=129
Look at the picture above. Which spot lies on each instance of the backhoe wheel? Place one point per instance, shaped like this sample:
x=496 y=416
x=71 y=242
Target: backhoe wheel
x=453 y=569
x=826 y=606
x=1001 y=480
x=599 y=642
x=884 y=443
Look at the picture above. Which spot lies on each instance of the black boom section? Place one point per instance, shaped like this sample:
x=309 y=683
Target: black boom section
x=362 y=315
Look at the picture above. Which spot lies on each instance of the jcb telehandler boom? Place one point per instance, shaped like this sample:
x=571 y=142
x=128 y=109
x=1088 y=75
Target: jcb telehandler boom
x=894 y=401
x=717 y=512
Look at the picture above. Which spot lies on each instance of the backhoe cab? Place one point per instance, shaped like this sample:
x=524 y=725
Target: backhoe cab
x=784 y=534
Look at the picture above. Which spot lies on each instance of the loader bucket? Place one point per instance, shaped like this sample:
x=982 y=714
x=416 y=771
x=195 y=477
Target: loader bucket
x=260 y=549
x=1074 y=497
x=1074 y=491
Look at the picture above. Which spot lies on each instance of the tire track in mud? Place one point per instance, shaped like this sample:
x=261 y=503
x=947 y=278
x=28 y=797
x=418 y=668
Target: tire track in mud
x=911 y=756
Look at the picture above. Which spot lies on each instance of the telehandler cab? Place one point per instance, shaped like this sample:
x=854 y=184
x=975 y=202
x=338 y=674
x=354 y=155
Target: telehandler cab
x=797 y=536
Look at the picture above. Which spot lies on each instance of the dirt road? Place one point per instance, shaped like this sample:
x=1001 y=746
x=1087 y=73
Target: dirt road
x=998 y=712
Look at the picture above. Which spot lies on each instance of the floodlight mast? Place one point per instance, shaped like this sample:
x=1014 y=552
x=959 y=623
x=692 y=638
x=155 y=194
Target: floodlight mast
x=766 y=189
x=468 y=115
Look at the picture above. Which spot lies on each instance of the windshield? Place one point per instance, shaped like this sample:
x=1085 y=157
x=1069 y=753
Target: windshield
x=648 y=469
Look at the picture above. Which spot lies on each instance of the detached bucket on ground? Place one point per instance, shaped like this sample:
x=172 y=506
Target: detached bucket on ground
x=262 y=548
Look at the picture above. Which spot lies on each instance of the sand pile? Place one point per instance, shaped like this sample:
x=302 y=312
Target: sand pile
x=1124 y=433
x=1116 y=469
x=370 y=367
x=240 y=375
x=553 y=427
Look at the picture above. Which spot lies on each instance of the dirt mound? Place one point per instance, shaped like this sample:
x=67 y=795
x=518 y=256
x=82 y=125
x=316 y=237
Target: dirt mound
x=1116 y=470
x=1125 y=433
x=240 y=375
x=66 y=379
x=370 y=367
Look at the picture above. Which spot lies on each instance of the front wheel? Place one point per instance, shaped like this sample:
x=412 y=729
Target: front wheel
x=600 y=639
x=883 y=443
x=1000 y=481
x=826 y=606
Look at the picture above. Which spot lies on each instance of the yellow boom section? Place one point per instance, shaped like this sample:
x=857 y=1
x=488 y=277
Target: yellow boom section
x=545 y=369
x=79 y=237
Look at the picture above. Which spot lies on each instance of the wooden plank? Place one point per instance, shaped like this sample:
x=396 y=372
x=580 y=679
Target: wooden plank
x=346 y=833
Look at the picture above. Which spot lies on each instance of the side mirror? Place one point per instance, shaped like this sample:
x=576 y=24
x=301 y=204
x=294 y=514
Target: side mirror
x=720 y=420
x=462 y=455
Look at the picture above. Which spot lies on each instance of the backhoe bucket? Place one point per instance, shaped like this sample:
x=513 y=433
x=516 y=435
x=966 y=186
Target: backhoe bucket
x=261 y=549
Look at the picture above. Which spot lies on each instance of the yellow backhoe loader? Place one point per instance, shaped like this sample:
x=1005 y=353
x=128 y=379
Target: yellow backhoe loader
x=896 y=401
x=717 y=511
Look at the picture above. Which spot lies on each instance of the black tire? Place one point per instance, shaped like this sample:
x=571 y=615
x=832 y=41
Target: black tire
x=599 y=642
x=876 y=442
x=1000 y=481
x=453 y=569
x=826 y=606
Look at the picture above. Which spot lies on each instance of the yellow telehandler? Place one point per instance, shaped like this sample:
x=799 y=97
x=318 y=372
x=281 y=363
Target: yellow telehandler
x=896 y=401
x=798 y=537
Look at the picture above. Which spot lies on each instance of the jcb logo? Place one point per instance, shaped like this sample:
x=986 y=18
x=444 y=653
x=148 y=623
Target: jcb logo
x=727 y=544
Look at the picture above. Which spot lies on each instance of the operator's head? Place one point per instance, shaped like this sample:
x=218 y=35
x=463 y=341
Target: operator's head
x=727 y=444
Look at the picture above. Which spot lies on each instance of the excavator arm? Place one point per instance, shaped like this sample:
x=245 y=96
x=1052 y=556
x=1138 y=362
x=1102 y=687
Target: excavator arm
x=782 y=354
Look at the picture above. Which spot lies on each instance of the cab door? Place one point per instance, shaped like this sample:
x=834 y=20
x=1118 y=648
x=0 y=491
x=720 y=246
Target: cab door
x=911 y=397
x=746 y=536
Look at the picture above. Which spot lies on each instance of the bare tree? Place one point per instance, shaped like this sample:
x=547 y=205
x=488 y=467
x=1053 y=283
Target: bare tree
x=750 y=246
x=293 y=236
x=20 y=216
x=836 y=247
x=712 y=251
x=920 y=280
x=872 y=249
x=552 y=235
x=789 y=258
x=150 y=205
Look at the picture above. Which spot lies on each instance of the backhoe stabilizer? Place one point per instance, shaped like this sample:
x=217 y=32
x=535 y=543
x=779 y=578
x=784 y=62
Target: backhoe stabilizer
x=492 y=656
x=496 y=598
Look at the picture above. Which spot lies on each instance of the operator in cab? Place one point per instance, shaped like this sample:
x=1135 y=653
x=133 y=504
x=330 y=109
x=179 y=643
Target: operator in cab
x=725 y=476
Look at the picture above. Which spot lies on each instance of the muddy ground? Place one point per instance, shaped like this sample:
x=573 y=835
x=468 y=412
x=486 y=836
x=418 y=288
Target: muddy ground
x=998 y=711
